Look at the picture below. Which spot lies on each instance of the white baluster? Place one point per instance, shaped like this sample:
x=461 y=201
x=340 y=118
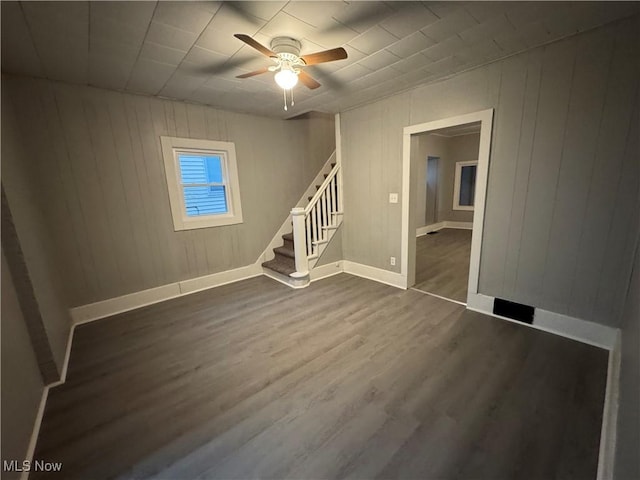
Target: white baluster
x=307 y=221
x=323 y=199
x=314 y=222
x=333 y=200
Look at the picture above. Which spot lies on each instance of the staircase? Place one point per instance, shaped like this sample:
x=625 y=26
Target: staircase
x=284 y=261
x=311 y=229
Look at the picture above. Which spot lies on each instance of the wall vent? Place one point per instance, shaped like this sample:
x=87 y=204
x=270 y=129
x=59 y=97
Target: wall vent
x=515 y=311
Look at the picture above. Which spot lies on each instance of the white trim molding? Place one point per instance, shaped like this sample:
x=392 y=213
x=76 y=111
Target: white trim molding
x=609 y=431
x=338 y=135
x=31 y=448
x=171 y=148
x=575 y=328
x=37 y=423
x=434 y=227
x=457 y=184
x=583 y=331
x=590 y=333
x=375 y=274
x=131 y=301
x=407 y=258
x=325 y=271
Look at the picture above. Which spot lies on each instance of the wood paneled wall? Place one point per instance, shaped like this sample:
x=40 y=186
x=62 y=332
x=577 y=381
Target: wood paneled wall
x=627 y=464
x=449 y=150
x=27 y=242
x=562 y=202
x=104 y=194
x=22 y=383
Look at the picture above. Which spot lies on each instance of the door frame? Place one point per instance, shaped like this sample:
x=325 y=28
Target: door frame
x=408 y=253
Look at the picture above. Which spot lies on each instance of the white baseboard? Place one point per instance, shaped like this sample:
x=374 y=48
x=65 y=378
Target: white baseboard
x=131 y=301
x=376 y=274
x=283 y=279
x=31 y=448
x=217 y=279
x=112 y=306
x=609 y=431
x=459 y=225
x=577 y=329
x=434 y=227
x=324 y=271
x=586 y=332
x=480 y=303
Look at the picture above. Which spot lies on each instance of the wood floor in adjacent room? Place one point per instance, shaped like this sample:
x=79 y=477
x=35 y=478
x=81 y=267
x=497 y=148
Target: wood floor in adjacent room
x=442 y=263
x=345 y=379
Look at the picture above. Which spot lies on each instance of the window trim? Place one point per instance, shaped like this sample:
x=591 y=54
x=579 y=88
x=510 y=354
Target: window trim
x=171 y=148
x=456 y=186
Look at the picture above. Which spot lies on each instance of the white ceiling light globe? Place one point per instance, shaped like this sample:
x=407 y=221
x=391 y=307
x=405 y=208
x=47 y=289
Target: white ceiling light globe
x=286 y=79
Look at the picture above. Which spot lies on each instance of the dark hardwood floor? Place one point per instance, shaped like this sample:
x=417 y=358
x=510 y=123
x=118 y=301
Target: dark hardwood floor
x=442 y=263
x=345 y=379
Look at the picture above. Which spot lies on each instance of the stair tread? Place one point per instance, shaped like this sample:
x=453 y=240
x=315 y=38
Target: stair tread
x=288 y=236
x=278 y=266
x=287 y=252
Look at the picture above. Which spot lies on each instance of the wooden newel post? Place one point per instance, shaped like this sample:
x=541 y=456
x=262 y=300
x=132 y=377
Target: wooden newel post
x=300 y=243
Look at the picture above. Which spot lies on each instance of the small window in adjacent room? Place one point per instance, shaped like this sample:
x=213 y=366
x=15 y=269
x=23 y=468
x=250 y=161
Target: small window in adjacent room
x=202 y=178
x=464 y=190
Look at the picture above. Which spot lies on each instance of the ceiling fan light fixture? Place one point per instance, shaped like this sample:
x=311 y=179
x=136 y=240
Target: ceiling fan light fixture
x=286 y=78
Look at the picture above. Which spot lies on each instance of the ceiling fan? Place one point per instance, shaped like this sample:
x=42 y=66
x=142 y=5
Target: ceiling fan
x=288 y=68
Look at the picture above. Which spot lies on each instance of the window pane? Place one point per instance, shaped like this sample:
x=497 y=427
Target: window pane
x=214 y=169
x=205 y=200
x=467 y=185
x=200 y=168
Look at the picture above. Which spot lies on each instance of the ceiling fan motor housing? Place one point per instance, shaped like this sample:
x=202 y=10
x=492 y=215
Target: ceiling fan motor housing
x=286 y=47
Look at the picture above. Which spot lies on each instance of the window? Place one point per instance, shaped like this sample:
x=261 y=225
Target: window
x=202 y=178
x=464 y=189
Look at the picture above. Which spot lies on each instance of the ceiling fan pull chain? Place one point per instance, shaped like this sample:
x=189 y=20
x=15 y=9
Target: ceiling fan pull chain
x=284 y=93
x=292 y=101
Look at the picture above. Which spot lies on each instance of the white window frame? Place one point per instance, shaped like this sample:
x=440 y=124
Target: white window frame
x=171 y=148
x=456 y=185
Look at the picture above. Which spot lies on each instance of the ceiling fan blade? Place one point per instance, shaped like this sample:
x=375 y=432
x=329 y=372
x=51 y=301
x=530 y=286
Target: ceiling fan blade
x=325 y=56
x=253 y=74
x=252 y=43
x=307 y=80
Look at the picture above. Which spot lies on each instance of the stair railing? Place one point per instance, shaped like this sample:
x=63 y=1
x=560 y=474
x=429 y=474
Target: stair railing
x=312 y=224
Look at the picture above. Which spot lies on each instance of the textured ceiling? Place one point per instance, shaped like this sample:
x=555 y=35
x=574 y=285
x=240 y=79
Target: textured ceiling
x=186 y=50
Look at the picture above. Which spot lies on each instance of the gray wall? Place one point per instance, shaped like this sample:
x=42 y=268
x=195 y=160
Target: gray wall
x=449 y=150
x=321 y=134
x=41 y=255
x=563 y=173
x=333 y=252
x=21 y=381
x=627 y=465
x=422 y=146
x=103 y=192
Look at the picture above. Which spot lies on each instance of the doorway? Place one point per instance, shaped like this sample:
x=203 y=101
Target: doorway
x=445 y=166
x=446 y=163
